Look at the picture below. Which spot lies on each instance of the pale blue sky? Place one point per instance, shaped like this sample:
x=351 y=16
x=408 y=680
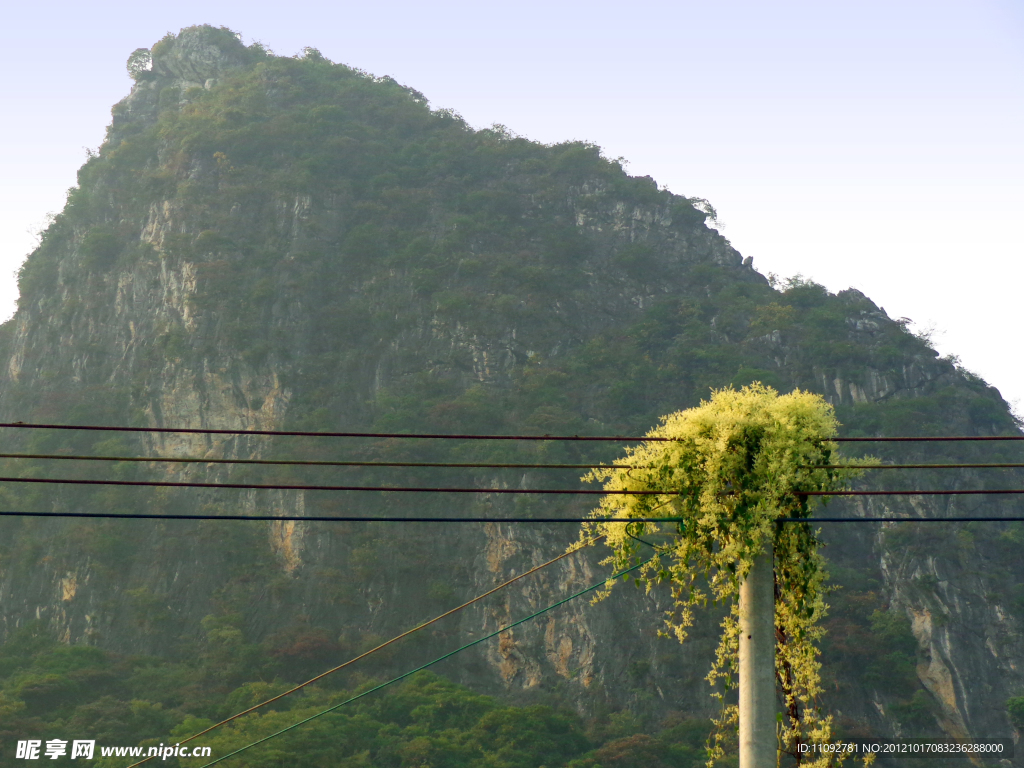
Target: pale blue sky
x=870 y=144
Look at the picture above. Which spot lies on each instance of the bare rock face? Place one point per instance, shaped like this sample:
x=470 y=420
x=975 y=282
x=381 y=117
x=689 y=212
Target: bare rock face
x=196 y=56
x=968 y=637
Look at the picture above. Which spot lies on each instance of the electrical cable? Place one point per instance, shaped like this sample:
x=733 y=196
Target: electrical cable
x=900 y=519
x=294 y=433
x=913 y=466
x=289 y=487
x=352 y=519
x=304 y=463
x=429 y=663
x=383 y=645
x=343 y=519
x=637 y=538
x=978 y=492
x=944 y=439
x=502 y=491
x=434 y=436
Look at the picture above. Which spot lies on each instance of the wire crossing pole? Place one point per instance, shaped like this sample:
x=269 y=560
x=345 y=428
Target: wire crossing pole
x=758 y=743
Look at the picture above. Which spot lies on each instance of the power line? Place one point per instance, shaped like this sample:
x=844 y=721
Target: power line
x=383 y=645
x=507 y=627
x=289 y=487
x=910 y=466
x=436 y=436
x=344 y=519
x=354 y=519
x=293 y=433
x=418 y=489
x=946 y=439
x=504 y=491
x=981 y=492
x=309 y=463
x=439 y=464
x=899 y=519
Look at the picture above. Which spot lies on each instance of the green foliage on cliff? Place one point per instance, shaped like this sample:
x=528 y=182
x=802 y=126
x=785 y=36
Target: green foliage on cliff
x=1015 y=708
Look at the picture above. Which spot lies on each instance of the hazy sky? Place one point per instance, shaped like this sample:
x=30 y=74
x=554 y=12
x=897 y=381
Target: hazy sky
x=870 y=144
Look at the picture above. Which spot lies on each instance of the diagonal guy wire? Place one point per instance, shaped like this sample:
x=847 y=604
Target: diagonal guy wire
x=428 y=664
x=383 y=645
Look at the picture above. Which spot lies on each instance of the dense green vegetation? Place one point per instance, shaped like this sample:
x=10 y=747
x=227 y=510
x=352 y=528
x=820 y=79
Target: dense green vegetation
x=1015 y=707
x=48 y=690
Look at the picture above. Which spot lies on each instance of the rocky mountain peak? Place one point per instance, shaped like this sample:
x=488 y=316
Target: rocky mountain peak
x=197 y=57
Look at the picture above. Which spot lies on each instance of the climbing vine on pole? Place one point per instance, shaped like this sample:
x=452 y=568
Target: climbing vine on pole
x=735 y=465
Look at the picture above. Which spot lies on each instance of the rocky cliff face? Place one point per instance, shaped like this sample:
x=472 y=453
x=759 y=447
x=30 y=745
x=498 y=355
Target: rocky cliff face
x=267 y=243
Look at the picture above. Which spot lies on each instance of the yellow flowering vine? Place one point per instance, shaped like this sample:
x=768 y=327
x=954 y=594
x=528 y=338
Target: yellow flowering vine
x=730 y=469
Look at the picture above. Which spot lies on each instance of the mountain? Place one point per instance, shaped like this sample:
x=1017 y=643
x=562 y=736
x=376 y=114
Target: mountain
x=292 y=244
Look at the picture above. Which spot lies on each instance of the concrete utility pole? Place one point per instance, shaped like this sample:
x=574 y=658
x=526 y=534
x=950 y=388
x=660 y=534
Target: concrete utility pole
x=758 y=742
